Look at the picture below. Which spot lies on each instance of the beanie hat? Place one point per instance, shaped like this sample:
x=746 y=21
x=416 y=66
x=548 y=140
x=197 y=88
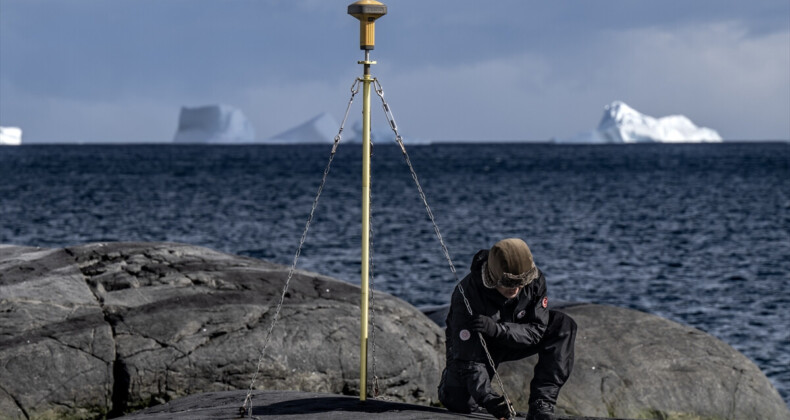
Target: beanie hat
x=509 y=264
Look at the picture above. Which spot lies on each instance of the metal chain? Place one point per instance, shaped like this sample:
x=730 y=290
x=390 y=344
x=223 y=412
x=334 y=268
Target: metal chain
x=371 y=296
x=399 y=140
x=246 y=408
x=372 y=308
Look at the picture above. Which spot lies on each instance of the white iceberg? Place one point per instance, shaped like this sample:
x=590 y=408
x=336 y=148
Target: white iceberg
x=383 y=135
x=10 y=136
x=213 y=124
x=318 y=130
x=623 y=124
x=377 y=135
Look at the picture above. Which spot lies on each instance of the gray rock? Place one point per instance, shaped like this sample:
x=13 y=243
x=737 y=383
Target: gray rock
x=56 y=349
x=106 y=328
x=102 y=329
x=291 y=405
x=299 y=405
x=633 y=364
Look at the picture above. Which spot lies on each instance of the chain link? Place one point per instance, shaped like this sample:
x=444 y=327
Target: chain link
x=372 y=307
x=246 y=408
x=399 y=140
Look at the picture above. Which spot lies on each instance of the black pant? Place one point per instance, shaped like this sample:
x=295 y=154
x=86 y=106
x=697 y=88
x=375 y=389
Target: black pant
x=555 y=363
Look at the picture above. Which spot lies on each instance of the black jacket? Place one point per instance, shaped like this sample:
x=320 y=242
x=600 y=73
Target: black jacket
x=521 y=322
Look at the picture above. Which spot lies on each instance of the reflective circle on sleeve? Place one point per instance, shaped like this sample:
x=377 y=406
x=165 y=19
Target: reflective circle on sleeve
x=465 y=335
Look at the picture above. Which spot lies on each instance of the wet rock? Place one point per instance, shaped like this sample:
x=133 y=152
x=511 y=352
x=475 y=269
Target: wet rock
x=107 y=328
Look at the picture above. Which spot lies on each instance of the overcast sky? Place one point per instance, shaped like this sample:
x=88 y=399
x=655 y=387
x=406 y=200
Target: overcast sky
x=119 y=71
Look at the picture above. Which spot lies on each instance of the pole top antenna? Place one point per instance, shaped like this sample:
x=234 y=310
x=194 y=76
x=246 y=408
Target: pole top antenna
x=367 y=11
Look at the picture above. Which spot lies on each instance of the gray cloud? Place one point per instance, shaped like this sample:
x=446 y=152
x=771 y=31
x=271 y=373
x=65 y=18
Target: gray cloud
x=713 y=73
x=89 y=70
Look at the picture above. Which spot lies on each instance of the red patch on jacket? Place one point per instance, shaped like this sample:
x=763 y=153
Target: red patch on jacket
x=545 y=301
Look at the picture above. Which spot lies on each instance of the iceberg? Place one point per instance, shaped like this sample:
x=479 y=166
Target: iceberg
x=382 y=136
x=376 y=135
x=622 y=124
x=318 y=130
x=10 y=136
x=323 y=128
x=213 y=124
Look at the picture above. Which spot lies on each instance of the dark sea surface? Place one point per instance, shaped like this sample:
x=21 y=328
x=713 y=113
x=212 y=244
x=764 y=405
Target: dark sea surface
x=696 y=233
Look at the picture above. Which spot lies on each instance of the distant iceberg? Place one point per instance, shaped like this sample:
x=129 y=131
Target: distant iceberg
x=379 y=135
x=318 y=130
x=323 y=128
x=623 y=124
x=382 y=136
x=213 y=124
x=10 y=136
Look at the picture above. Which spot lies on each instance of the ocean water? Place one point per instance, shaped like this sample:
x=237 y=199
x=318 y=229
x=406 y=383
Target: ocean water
x=696 y=233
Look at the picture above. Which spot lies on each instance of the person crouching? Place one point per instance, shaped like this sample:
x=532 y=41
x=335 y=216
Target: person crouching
x=507 y=294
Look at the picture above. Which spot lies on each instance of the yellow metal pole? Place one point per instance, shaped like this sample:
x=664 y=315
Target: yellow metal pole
x=363 y=351
x=367 y=11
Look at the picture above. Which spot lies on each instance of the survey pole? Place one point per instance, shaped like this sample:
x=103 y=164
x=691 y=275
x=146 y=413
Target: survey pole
x=365 y=269
x=367 y=11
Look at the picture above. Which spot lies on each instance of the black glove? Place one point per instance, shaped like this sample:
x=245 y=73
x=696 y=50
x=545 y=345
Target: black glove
x=485 y=325
x=497 y=407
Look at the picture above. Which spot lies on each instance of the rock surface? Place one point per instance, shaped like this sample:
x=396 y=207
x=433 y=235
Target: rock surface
x=636 y=365
x=299 y=405
x=105 y=328
x=290 y=404
x=101 y=329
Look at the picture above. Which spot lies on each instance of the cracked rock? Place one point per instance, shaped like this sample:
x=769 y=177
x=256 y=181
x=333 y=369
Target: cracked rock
x=56 y=349
x=102 y=329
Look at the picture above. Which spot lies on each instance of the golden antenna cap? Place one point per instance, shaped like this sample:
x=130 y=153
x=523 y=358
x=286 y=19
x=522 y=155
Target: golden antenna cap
x=367 y=11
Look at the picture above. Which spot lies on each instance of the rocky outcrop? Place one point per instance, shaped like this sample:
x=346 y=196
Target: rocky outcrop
x=56 y=349
x=103 y=329
x=636 y=365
